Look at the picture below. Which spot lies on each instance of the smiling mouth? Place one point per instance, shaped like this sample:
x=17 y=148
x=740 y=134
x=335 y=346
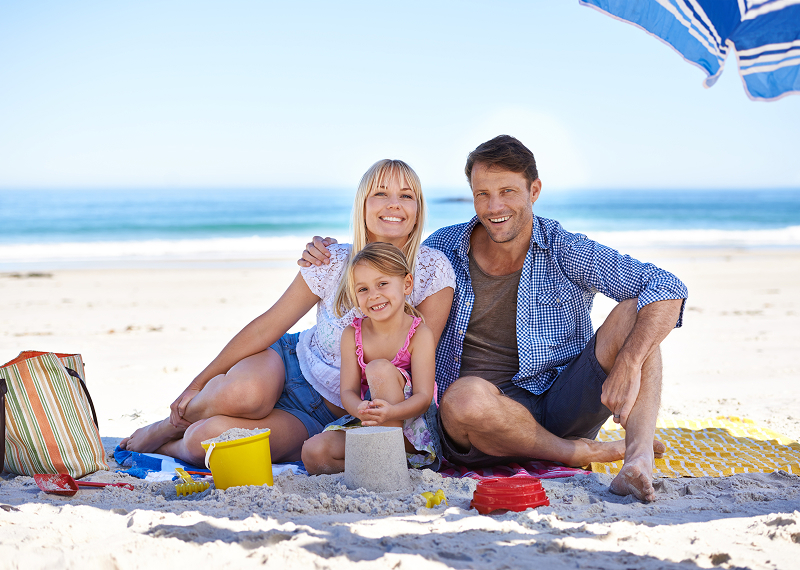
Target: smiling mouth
x=378 y=307
x=499 y=220
x=391 y=219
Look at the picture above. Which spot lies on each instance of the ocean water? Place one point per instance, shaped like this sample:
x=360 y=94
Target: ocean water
x=41 y=228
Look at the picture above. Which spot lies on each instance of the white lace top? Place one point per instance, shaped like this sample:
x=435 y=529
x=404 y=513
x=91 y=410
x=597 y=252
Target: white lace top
x=319 y=350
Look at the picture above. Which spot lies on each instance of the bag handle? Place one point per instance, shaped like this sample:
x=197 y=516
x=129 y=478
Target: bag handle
x=3 y=390
x=74 y=374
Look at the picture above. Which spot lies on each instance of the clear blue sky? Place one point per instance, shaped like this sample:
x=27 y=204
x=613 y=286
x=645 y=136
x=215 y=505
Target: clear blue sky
x=308 y=94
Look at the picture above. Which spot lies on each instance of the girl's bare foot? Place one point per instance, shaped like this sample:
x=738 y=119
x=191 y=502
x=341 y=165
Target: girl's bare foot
x=150 y=438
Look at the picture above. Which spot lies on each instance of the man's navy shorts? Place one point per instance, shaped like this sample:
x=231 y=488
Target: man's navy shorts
x=570 y=408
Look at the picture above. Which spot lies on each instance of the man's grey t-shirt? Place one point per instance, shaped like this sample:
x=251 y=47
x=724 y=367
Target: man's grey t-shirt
x=490 y=341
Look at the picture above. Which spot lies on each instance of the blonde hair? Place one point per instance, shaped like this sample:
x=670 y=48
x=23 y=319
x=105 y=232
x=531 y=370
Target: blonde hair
x=383 y=257
x=377 y=175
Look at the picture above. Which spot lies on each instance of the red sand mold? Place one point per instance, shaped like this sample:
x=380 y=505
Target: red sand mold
x=510 y=494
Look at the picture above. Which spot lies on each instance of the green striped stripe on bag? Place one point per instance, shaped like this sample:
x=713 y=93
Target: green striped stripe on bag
x=50 y=426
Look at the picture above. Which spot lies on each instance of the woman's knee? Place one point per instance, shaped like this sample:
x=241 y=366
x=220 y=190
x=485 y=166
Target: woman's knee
x=255 y=381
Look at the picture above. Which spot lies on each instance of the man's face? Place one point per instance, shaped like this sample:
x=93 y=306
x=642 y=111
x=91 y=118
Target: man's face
x=503 y=202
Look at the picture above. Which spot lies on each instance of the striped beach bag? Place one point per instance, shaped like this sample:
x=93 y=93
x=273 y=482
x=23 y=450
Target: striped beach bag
x=50 y=423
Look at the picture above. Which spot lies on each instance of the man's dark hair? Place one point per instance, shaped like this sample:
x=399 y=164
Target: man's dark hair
x=504 y=152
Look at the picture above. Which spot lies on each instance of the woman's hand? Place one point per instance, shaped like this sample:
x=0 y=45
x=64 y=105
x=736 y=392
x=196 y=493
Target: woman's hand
x=316 y=252
x=375 y=412
x=178 y=408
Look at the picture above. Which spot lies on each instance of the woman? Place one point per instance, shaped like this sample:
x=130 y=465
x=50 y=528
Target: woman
x=266 y=378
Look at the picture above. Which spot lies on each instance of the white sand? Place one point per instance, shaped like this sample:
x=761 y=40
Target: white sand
x=235 y=433
x=144 y=333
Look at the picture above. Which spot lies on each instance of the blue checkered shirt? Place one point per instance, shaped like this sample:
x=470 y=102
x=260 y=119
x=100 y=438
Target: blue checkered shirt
x=560 y=276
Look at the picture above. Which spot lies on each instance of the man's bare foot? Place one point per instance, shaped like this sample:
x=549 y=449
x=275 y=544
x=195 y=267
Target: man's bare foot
x=150 y=438
x=635 y=478
x=659 y=448
x=605 y=451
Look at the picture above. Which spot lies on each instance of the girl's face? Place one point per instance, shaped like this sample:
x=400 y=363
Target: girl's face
x=380 y=296
x=391 y=211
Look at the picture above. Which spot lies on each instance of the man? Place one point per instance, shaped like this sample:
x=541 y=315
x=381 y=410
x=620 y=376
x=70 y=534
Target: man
x=519 y=372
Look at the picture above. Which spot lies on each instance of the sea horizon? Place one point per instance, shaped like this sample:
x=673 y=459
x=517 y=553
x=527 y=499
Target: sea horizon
x=44 y=229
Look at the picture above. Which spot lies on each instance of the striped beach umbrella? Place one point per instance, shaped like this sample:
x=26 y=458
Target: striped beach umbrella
x=764 y=35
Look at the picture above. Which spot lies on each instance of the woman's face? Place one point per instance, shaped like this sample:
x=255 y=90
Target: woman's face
x=391 y=211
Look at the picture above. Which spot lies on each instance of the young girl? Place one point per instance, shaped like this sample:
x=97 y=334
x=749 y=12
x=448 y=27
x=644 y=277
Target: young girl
x=381 y=353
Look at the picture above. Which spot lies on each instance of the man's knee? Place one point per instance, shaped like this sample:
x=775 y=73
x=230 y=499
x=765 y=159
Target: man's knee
x=467 y=400
x=615 y=329
x=623 y=316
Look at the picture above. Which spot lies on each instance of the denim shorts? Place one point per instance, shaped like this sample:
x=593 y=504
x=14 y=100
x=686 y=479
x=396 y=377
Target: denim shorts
x=299 y=398
x=570 y=408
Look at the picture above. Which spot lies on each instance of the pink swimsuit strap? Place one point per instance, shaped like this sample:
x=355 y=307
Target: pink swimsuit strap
x=402 y=359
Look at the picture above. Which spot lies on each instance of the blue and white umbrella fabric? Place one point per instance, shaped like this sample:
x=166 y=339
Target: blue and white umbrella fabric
x=764 y=34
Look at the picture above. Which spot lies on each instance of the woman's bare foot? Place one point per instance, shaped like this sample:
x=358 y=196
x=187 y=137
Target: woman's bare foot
x=635 y=478
x=150 y=438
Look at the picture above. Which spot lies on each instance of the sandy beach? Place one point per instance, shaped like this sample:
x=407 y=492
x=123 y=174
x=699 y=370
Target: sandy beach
x=144 y=333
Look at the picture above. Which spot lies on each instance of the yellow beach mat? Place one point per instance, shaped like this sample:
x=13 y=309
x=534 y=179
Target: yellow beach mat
x=712 y=448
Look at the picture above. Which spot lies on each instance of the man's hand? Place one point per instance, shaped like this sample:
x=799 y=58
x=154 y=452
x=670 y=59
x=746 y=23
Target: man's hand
x=620 y=391
x=316 y=252
x=178 y=408
x=374 y=413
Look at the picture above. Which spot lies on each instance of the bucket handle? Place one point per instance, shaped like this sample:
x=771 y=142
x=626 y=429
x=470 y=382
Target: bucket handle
x=208 y=453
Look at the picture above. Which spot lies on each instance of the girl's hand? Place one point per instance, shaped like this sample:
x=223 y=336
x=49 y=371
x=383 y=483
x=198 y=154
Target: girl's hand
x=375 y=412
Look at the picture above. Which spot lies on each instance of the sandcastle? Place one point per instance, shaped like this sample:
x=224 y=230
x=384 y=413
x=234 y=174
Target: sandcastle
x=375 y=459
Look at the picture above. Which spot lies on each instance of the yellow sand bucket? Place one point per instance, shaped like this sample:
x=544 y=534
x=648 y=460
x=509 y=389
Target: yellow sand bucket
x=244 y=461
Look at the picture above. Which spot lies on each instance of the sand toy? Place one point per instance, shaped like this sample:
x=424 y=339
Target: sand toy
x=63 y=484
x=187 y=486
x=242 y=461
x=508 y=494
x=434 y=499
x=375 y=459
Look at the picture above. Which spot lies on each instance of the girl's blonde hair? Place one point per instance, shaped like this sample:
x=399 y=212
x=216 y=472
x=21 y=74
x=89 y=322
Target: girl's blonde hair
x=383 y=257
x=378 y=175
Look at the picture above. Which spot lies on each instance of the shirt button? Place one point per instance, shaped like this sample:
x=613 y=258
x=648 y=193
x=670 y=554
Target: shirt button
x=460 y=332
x=558 y=300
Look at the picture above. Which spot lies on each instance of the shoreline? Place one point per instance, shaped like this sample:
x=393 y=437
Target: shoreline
x=282 y=249
x=287 y=258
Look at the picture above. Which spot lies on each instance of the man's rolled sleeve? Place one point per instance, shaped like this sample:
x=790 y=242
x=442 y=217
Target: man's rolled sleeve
x=620 y=277
x=665 y=287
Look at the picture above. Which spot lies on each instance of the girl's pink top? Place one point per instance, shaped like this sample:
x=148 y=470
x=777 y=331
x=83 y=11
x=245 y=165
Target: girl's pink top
x=402 y=359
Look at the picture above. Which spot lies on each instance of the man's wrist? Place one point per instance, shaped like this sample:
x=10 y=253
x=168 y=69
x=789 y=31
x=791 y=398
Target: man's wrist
x=626 y=360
